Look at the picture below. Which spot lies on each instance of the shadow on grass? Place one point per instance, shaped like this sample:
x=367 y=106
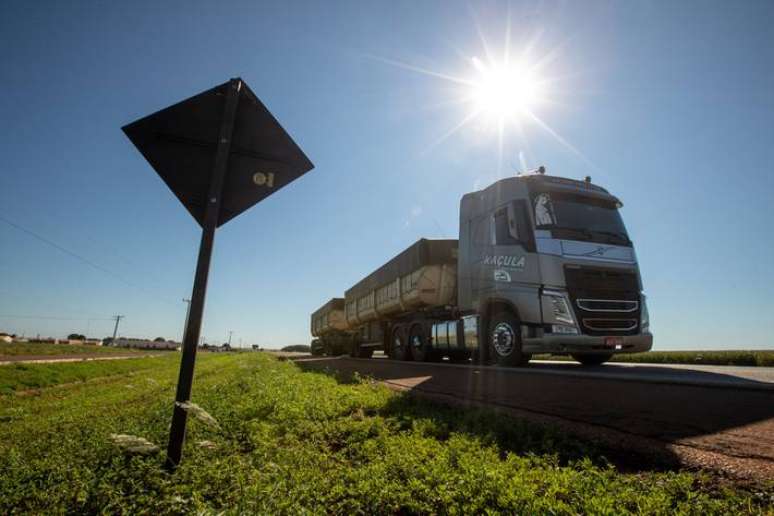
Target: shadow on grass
x=497 y=427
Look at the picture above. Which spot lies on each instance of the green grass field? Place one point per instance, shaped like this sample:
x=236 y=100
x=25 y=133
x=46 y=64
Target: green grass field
x=761 y=358
x=22 y=377
x=292 y=442
x=41 y=348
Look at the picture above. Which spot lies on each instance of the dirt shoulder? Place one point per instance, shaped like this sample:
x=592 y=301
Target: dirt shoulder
x=49 y=359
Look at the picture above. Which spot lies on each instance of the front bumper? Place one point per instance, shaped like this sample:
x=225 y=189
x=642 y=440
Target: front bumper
x=588 y=344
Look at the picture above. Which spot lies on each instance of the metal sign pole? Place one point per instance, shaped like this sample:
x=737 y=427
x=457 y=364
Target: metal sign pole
x=177 y=430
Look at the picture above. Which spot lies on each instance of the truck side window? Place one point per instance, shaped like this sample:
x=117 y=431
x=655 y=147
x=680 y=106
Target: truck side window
x=503 y=234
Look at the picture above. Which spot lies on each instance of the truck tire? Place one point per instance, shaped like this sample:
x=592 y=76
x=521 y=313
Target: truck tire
x=357 y=351
x=504 y=340
x=420 y=344
x=399 y=344
x=459 y=357
x=592 y=359
x=317 y=348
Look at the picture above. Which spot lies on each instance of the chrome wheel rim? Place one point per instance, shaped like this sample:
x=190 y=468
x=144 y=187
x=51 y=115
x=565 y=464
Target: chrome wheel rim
x=503 y=339
x=416 y=341
x=397 y=345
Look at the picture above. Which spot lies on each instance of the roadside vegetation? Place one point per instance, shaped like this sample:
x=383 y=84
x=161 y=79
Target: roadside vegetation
x=760 y=358
x=23 y=377
x=297 y=348
x=287 y=442
x=45 y=348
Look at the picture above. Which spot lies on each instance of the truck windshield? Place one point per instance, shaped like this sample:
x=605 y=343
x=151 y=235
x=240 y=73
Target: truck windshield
x=580 y=217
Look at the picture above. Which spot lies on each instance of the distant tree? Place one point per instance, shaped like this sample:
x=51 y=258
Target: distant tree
x=76 y=336
x=159 y=339
x=299 y=348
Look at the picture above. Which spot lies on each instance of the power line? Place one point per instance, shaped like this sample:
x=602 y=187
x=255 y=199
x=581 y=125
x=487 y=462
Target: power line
x=78 y=257
x=55 y=318
x=115 y=330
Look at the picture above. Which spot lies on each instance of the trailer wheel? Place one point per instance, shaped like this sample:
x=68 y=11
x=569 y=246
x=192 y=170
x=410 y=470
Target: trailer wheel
x=592 y=359
x=398 y=348
x=504 y=339
x=420 y=344
x=357 y=351
x=459 y=357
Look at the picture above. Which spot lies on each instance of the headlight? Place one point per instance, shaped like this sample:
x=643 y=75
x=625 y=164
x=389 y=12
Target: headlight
x=644 y=316
x=559 y=307
x=563 y=329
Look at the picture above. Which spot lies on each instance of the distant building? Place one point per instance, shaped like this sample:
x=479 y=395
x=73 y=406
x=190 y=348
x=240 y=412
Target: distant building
x=214 y=347
x=128 y=342
x=84 y=342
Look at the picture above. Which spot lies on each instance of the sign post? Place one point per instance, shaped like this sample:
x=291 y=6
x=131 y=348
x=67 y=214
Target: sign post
x=185 y=379
x=220 y=152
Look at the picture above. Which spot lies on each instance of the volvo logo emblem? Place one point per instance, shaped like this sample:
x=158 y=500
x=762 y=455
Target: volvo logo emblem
x=599 y=251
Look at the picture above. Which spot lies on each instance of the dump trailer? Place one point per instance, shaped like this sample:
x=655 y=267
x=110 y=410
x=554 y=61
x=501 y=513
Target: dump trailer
x=543 y=264
x=330 y=329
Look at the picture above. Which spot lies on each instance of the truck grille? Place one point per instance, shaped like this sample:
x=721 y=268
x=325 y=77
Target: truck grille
x=606 y=325
x=606 y=301
x=607 y=305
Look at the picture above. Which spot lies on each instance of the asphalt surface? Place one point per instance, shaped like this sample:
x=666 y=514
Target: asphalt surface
x=718 y=417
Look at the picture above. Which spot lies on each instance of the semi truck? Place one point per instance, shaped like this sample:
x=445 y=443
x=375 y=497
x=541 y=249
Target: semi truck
x=543 y=265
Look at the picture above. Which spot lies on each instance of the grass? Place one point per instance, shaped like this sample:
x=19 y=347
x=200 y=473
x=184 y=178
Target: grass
x=45 y=348
x=20 y=377
x=294 y=442
x=762 y=358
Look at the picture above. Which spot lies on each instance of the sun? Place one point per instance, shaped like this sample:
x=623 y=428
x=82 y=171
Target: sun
x=504 y=91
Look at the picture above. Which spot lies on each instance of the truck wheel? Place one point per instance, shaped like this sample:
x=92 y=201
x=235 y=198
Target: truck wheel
x=459 y=358
x=592 y=359
x=398 y=348
x=504 y=336
x=420 y=344
x=357 y=351
x=317 y=348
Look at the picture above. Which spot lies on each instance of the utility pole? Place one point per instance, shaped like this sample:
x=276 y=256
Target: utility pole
x=115 y=330
x=230 y=332
x=187 y=315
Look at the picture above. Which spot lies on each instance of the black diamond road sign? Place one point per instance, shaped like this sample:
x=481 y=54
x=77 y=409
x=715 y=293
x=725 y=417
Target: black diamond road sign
x=220 y=152
x=180 y=143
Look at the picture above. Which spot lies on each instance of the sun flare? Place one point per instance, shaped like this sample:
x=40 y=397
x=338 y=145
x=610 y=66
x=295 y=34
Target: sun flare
x=504 y=91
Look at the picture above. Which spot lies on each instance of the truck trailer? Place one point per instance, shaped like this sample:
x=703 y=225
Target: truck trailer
x=543 y=264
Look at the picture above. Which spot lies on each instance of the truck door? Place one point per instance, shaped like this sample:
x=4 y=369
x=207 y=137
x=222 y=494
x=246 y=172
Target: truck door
x=508 y=267
x=475 y=242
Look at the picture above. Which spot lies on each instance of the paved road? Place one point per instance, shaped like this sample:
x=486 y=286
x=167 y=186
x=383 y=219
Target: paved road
x=722 y=376
x=706 y=416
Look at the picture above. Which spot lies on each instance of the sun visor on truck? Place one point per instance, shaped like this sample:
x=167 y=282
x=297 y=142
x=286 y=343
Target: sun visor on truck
x=561 y=185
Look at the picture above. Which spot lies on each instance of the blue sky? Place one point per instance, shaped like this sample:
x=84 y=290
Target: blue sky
x=668 y=105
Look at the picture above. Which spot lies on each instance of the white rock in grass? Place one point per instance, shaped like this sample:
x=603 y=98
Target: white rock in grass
x=209 y=445
x=133 y=444
x=199 y=413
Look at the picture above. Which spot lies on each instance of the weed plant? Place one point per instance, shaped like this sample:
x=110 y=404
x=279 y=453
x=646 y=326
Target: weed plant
x=289 y=442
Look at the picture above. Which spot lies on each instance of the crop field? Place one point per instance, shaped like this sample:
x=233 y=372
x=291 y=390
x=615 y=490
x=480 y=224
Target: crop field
x=44 y=348
x=286 y=441
x=760 y=358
